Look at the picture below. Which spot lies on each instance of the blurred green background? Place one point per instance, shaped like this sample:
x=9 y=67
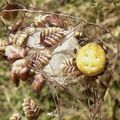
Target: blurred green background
x=104 y=12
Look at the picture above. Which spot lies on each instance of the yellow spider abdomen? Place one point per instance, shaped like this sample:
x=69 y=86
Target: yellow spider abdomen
x=91 y=59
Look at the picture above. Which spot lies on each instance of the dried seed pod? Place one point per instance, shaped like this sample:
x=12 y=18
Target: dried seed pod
x=14 y=52
x=20 y=37
x=38 y=82
x=20 y=70
x=69 y=67
x=50 y=20
x=15 y=78
x=81 y=38
x=40 y=20
x=31 y=109
x=55 y=21
x=15 y=116
x=78 y=34
x=51 y=37
x=53 y=40
x=46 y=32
x=3 y=44
x=8 y=17
x=39 y=59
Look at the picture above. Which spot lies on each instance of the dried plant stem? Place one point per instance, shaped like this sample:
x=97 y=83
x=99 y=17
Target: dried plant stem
x=42 y=11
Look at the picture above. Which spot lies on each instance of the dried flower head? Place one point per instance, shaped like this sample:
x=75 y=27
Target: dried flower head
x=31 y=109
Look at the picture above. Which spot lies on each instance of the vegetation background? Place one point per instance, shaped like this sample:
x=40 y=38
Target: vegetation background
x=103 y=12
